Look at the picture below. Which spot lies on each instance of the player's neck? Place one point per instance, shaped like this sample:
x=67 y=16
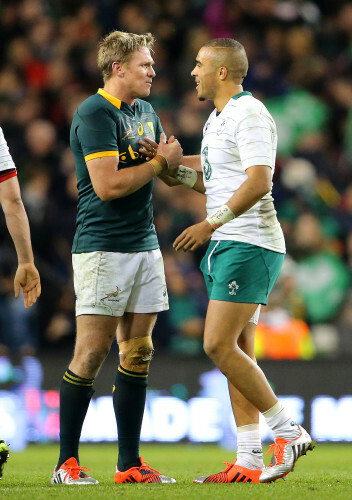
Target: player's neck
x=225 y=95
x=119 y=92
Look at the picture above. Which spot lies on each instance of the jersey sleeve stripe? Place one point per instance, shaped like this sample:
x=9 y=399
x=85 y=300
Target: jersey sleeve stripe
x=8 y=175
x=247 y=158
x=101 y=154
x=254 y=127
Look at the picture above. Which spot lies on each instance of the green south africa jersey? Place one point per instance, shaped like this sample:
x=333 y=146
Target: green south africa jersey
x=105 y=126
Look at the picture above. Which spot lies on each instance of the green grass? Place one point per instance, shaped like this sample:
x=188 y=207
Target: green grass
x=325 y=473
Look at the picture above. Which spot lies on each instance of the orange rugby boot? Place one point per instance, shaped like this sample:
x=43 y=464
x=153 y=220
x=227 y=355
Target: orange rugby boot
x=232 y=474
x=142 y=474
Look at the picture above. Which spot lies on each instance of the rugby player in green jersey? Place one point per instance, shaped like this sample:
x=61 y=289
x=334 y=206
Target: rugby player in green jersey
x=244 y=257
x=118 y=269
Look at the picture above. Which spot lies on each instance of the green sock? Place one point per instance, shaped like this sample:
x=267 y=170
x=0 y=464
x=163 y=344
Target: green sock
x=129 y=400
x=75 y=395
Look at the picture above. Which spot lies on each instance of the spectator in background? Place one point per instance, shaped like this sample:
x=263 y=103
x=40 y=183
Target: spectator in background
x=322 y=277
x=279 y=335
x=184 y=313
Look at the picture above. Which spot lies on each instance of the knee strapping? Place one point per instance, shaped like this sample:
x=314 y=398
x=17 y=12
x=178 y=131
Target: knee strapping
x=136 y=354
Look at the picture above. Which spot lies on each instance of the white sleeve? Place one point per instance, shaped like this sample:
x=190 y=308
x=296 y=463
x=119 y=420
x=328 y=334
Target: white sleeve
x=6 y=161
x=255 y=141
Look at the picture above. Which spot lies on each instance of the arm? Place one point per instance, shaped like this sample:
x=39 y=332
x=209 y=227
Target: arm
x=247 y=195
x=109 y=182
x=182 y=175
x=189 y=177
x=189 y=173
x=252 y=190
x=27 y=275
x=192 y=161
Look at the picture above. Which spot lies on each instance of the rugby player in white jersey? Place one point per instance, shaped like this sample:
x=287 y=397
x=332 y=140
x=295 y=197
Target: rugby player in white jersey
x=245 y=254
x=27 y=276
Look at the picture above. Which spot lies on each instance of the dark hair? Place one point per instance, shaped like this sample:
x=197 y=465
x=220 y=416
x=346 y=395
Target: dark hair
x=233 y=56
x=228 y=43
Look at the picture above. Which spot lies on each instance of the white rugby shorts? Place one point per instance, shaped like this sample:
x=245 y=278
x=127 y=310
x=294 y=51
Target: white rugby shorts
x=112 y=283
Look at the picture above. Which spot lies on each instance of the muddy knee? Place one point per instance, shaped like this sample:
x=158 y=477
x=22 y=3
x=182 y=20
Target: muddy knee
x=136 y=354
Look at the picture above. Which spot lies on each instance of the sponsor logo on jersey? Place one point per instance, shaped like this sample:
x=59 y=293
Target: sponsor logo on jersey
x=129 y=131
x=206 y=165
x=133 y=155
x=151 y=126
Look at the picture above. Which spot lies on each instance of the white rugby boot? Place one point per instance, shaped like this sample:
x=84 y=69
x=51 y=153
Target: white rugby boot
x=286 y=454
x=71 y=472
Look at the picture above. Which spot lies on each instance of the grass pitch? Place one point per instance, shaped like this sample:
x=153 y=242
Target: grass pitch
x=324 y=474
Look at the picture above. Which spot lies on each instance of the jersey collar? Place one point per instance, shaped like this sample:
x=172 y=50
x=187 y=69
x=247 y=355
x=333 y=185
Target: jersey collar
x=245 y=92
x=117 y=102
x=241 y=94
x=114 y=100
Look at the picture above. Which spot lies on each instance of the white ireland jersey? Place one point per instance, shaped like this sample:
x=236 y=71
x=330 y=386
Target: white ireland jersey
x=7 y=166
x=241 y=136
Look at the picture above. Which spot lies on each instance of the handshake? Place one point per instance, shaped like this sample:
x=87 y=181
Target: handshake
x=164 y=157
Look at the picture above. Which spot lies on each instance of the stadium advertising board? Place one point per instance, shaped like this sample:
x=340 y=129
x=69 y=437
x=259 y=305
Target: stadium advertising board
x=200 y=412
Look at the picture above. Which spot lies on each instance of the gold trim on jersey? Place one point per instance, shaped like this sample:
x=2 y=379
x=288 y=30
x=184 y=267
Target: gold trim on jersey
x=114 y=100
x=101 y=154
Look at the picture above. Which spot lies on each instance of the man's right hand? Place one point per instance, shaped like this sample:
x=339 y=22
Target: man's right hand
x=27 y=278
x=171 y=150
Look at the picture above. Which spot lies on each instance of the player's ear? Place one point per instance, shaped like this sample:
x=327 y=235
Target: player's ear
x=223 y=72
x=117 y=69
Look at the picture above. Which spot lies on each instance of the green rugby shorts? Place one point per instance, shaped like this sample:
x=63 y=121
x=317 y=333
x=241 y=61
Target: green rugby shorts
x=240 y=272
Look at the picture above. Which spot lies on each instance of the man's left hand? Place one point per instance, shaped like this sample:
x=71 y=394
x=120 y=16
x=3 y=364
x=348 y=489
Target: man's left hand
x=149 y=148
x=193 y=237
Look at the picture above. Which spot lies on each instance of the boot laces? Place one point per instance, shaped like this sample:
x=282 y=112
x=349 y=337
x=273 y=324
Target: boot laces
x=229 y=466
x=146 y=466
x=74 y=471
x=279 y=448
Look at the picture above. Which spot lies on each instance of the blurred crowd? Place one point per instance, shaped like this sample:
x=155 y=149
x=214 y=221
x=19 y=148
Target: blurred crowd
x=300 y=55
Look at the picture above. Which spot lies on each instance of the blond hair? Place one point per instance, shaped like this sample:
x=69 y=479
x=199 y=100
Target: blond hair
x=119 y=46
